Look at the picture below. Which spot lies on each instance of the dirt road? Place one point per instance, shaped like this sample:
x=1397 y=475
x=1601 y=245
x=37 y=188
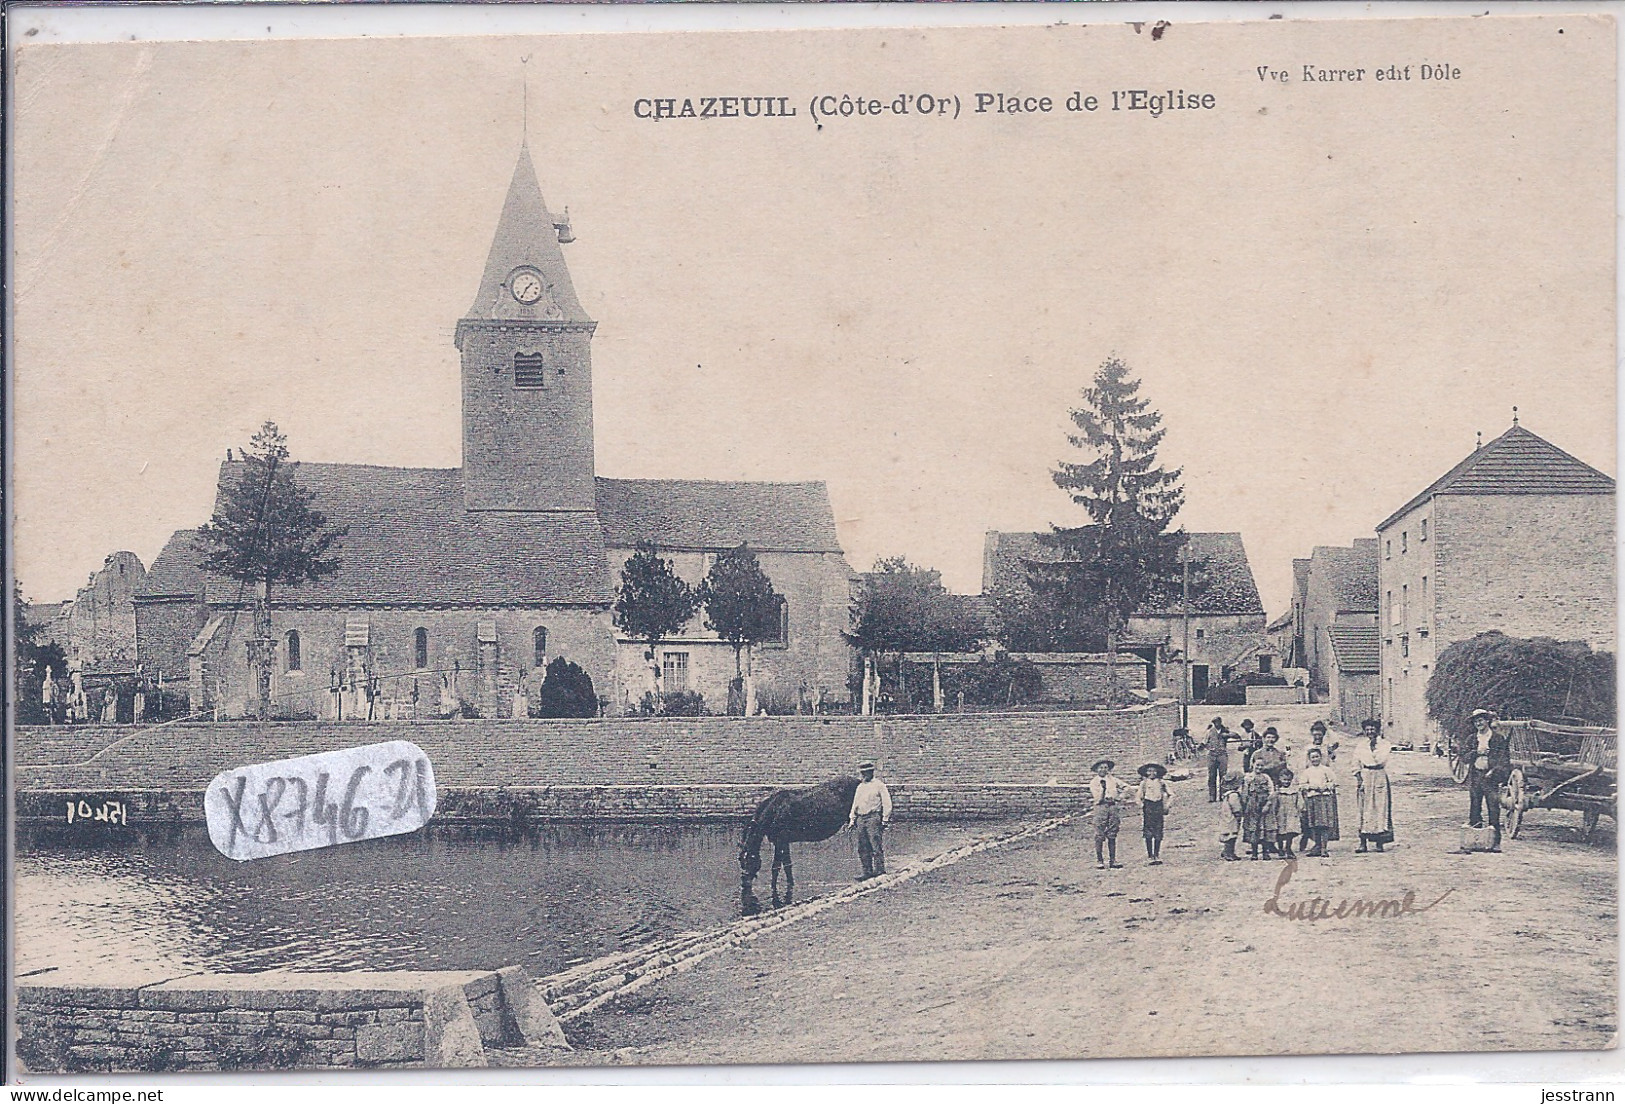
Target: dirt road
x=1030 y=952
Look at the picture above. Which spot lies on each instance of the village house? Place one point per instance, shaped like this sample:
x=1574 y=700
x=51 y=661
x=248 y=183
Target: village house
x=1518 y=537
x=457 y=586
x=1227 y=637
x=1335 y=612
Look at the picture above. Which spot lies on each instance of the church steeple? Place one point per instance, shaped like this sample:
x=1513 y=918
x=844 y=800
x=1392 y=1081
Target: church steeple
x=527 y=367
x=527 y=239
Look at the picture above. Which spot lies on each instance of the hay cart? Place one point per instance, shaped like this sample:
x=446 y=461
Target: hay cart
x=1561 y=767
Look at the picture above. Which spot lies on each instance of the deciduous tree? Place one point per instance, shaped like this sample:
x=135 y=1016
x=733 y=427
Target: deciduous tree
x=652 y=602
x=742 y=607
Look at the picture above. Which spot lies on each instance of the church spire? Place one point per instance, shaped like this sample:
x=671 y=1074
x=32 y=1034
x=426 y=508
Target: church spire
x=525 y=275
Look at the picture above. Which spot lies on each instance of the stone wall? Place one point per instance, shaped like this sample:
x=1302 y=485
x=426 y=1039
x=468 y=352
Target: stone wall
x=164 y=630
x=1528 y=565
x=947 y=767
x=969 y=749
x=278 y=1020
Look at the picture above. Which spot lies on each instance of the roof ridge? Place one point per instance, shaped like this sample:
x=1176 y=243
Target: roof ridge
x=715 y=482
x=345 y=464
x=1489 y=452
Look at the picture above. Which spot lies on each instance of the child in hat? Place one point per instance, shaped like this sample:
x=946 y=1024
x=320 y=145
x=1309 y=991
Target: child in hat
x=1155 y=797
x=1230 y=810
x=1107 y=792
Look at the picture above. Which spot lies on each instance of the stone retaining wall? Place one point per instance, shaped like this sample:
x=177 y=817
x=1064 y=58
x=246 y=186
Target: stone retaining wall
x=278 y=1020
x=519 y=807
x=936 y=749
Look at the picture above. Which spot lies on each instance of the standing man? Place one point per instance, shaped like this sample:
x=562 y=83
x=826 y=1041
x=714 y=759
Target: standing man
x=1491 y=767
x=1218 y=756
x=871 y=813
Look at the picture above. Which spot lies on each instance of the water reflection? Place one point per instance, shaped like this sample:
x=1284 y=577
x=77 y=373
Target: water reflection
x=560 y=895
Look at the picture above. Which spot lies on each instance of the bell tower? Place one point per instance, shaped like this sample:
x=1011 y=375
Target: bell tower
x=527 y=367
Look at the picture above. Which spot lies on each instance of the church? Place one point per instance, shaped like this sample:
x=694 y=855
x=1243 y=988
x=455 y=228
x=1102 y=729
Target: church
x=457 y=586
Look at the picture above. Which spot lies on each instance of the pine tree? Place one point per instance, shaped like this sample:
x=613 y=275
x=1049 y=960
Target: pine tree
x=1127 y=553
x=652 y=603
x=266 y=532
x=742 y=607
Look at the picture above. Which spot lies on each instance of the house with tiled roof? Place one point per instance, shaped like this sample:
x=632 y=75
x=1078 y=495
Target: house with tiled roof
x=1339 y=601
x=455 y=587
x=1227 y=623
x=1517 y=537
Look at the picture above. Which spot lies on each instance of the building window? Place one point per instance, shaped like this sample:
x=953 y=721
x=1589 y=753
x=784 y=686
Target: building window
x=1405 y=644
x=1387 y=549
x=674 y=671
x=1393 y=610
x=784 y=621
x=1404 y=541
x=528 y=371
x=538 y=646
x=1405 y=602
x=1424 y=534
x=1200 y=633
x=420 y=648
x=294 y=660
x=1266 y=664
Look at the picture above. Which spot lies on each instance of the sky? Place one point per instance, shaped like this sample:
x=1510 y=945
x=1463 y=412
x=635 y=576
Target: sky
x=1326 y=290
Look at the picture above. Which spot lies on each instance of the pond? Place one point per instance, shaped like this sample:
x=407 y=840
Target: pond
x=562 y=895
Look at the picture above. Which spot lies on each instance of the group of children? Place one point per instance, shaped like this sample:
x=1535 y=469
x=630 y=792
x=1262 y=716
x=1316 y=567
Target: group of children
x=1266 y=805
x=1263 y=811
x=1152 y=794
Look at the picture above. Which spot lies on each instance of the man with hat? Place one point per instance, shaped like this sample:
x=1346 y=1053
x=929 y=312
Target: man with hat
x=1488 y=769
x=1107 y=793
x=871 y=813
x=1218 y=756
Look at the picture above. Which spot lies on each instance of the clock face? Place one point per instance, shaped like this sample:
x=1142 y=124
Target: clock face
x=526 y=285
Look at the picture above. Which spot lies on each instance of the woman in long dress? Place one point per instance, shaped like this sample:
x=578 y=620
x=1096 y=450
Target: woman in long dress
x=1318 y=787
x=1376 y=796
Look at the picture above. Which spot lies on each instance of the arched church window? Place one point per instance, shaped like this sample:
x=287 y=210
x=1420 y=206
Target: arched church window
x=528 y=371
x=538 y=641
x=294 y=659
x=420 y=648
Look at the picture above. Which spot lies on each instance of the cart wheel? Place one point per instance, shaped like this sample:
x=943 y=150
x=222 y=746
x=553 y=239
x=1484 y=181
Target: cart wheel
x=1589 y=823
x=1513 y=799
x=1458 y=768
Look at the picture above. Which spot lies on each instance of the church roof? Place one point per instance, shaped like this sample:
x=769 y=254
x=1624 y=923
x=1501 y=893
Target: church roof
x=698 y=514
x=176 y=573
x=1516 y=463
x=1231 y=588
x=526 y=237
x=410 y=541
x=1357 y=648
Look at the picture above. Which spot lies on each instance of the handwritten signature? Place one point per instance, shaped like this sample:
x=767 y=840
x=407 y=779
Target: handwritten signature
x=1360 y=908
x=319 y=800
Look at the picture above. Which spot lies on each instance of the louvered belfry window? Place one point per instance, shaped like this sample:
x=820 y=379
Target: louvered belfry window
x=529 y=371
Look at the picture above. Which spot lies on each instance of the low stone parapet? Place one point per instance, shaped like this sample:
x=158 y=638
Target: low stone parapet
x=277 y=1020
x=521 y=806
